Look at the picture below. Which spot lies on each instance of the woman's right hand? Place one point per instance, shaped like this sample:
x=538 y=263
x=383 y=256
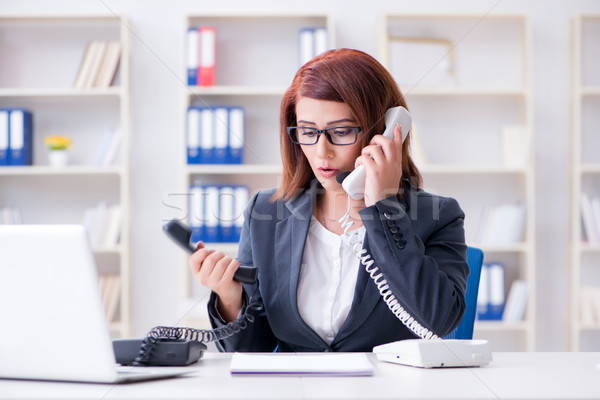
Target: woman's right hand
x=215 y=271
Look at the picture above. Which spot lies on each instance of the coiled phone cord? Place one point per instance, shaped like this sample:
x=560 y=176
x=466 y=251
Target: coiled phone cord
x=209 y=335
x=199 y=335
x=381 y=283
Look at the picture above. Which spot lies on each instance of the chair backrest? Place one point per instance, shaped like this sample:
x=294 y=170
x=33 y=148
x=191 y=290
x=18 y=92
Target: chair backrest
x=465 y=329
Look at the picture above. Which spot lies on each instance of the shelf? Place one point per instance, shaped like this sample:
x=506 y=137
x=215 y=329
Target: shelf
x=273 y=169
x=247 y=40
x=115 y=327
x=68 y=170
x=234 y=169
x=590 y=91
x=56 y=46
x=59 y=92
x=462 y=91
x=501 y=326
x=236 y=91
x=252 y=16
x=257 y=87
x=58 y=19
x=590 y=247
x=585 y=171
x=508 y=248
x=107 y=250
x=590 y=168
x=446 y=17
x=469 y=91
x=477 y=170
x=590 y=326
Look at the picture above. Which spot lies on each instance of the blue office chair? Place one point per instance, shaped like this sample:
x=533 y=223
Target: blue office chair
x=465 y=329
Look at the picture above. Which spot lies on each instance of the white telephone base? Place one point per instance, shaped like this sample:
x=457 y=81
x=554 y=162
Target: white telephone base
x=435 y=353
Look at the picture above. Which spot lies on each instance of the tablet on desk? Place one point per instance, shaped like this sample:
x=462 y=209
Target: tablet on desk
x=327 y=364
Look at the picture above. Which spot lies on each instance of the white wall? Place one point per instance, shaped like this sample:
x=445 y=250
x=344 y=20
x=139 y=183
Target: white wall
x=158 y=75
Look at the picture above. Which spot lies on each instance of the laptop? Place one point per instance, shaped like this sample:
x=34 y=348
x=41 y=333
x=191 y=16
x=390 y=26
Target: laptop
x=53 y=321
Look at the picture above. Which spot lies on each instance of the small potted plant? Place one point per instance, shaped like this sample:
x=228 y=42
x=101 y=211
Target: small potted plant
x=58 y=150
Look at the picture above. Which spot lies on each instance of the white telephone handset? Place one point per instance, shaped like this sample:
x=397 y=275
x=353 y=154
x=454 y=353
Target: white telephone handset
x=354 y=184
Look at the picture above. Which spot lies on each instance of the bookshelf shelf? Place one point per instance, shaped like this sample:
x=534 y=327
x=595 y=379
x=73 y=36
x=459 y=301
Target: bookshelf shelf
x=116 y=328
x=236 y=90
x=493 y=326
x=590 y=327
x=68 y=170
x=590 y=91
x=590 y=168
x=584 y=274
x=108 y=250
x=488 y=96
x=512 y=248
x=41 y=57
x=232 y=169
x=463 y=91
x=257 y=88
x=59 y=92
x=227 y=248
x=430 y=169
x=590 y=248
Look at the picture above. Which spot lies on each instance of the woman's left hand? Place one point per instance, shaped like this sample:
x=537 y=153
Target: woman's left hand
x=382 y=160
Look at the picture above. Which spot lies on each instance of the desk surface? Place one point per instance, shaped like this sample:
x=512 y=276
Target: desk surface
x=508 y=376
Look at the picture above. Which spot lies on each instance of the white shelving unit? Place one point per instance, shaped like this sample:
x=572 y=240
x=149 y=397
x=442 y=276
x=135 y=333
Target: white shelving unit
x=243 y=78
x=475 y=71
x=41 y=57
x=585 y=178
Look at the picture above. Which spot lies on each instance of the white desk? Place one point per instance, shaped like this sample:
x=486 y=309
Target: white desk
x=509 y=376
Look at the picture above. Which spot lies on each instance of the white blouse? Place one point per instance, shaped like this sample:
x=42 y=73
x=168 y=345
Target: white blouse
x=327 y=279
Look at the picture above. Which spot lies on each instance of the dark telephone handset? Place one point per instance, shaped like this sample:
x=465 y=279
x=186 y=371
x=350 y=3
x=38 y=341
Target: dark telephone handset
x=181 y=234
x=168 y=346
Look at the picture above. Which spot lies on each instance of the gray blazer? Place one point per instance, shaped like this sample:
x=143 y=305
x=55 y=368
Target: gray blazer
x=417 y=242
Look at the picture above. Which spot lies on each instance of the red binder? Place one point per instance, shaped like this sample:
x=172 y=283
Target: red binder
x=206 y=51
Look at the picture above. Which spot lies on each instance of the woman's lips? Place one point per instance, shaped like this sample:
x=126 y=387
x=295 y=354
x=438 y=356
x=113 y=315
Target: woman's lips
x=328 y=172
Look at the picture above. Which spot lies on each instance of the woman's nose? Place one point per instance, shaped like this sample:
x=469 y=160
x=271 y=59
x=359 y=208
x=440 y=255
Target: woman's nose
x=324 y=148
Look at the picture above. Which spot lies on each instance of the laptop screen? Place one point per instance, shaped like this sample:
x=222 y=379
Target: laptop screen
x=53 y=321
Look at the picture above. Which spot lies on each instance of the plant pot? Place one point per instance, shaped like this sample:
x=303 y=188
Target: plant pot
x=58 y=158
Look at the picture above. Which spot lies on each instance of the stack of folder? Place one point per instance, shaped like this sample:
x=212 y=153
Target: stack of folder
x=201 y=56
x=217 y=212
x=312 y=42
x=215 y=135
x=16 y=129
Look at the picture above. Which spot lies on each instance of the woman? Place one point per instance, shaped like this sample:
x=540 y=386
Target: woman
x=317 y=294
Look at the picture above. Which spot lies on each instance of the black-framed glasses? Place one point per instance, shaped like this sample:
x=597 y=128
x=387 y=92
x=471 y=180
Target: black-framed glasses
x=338 y=135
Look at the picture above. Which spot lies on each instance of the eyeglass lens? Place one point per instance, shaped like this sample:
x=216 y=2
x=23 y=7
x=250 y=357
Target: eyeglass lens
x=337 y=135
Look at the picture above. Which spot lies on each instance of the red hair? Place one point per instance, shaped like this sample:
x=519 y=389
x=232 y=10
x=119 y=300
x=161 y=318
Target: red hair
x=351 y=77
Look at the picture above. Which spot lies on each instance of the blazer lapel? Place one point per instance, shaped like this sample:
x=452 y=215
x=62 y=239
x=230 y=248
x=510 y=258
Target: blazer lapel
x=366 y=294
x=291 y=235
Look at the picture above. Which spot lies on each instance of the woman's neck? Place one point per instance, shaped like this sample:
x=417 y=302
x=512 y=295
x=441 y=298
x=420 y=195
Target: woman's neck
x=333 y=205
